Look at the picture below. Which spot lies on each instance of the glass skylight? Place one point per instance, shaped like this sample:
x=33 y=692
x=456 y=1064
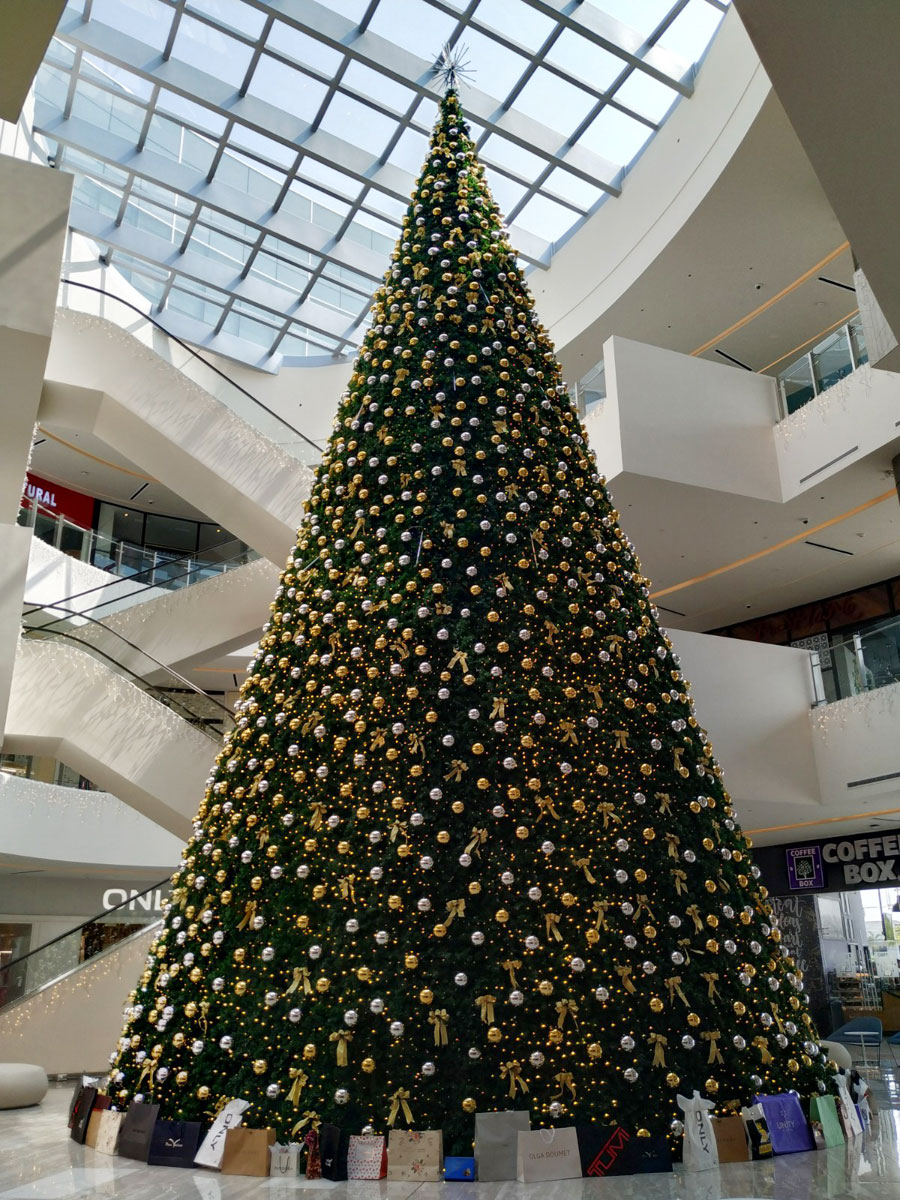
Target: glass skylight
x=246 y=164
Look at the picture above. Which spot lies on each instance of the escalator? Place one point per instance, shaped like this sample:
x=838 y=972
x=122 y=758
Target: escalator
x=61 y=1003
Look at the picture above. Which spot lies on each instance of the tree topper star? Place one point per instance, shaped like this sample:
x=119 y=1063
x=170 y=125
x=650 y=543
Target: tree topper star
x=452 y=67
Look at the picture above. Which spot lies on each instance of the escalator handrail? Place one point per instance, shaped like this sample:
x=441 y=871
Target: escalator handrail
x=89 y=921
x=90 y=287
x=115 y=633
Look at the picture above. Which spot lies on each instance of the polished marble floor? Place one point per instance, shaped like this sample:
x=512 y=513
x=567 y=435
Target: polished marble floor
x=38 y=1161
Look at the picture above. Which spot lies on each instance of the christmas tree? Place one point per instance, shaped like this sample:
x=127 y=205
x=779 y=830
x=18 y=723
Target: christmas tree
x=467 y=847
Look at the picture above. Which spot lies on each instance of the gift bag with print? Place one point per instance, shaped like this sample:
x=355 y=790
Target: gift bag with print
x=547 y=1154
x=731 y=1139
x=458 y=1169
x=213 y=1145
x=284 y=1160
x=757 y=1129
x=101 y=1104
x=83 y=1082
x=81 y=1113
x=247 y=1151
x=603 y=1150
x=496 y=1143
x=334 y=1143
x=788 y=1127
x=648 y=1155
x=699 y=1151
x=366 y=1158
x=137 y=1131
x=415 y=1155
x=108 y=1133
x=174 y=1143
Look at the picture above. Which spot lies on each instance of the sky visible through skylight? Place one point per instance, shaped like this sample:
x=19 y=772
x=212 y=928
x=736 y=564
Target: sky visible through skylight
x=246 y=165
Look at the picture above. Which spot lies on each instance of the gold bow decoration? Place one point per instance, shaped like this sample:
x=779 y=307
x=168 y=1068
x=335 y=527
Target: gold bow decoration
x=346 y=883
x=358 y=527
x=551 y=631
x=673 y=983
x=342 y=1038
x=204 y=1015
x=715 y=1054
x=512 y=965
x=399 y=1102
x=249 y=914
x=615 y=642
x=147 y=1072
x=551 y=920
x=513 y=1071
x=458 y=466
x=608 y=812
x=600 y=908
x=398 y=827
x=679 y=876
x=334 y=640
x=457 y=767
x=659 y=1043
x=777 y=1016
x=439 y=1018
x=499 y=709
x=400 y=649
x=310 y=1118
x=486 y=1006
x=711 y=977
x=503 y=579
x=545 y=805
x=674 y=841
x=416 y=745
x=686 y=948
x=565 y=1080
x=665 y=803
x=566 y=1008
x=377 y=739
x=479 y=837
x=593 y=690
x=263 y=836
x=643 y=902
x=677 y=752
x=317 y=814
x=447 y=529
x=624 y=974
x=584 y=864
x=567 y=732
x=459 y=656
x=694 y=913
x=621 y=736
x=455 y=908
x=300 y=1079
x=301 y=976
x=762 y=1045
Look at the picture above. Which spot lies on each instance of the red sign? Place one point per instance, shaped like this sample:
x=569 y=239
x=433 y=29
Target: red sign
x=53 y=500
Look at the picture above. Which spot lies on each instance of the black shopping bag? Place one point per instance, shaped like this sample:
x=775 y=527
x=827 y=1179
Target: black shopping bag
x=647 y=1155
x=81 y=1113
x=603 y=1150
x=137 y=1131
x=174 y=1143
x=333 y=1145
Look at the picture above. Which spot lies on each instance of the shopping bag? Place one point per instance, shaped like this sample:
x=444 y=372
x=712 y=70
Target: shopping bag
x=648 y=1155
x=815 y=1128
x=415 y=1155
x=788 y=1129
x=366 y=1158
x=83 y=1082
x=333 y=1145
x=824 y=1110
x=731 y=1139
x=458 y=1169
x=81 y=1113
x=757 y=1130
x=496 y=1143
x=174 y=1143
x=313 y=1155
x=108 y=1134
x=93 y=1128
x=846 y=1109
x=603 y=1150
x=284 y=1160
x=137 y=1131
x=545 y=1154
x=213 y=1145
x=699 y=1147
x=247 y=1151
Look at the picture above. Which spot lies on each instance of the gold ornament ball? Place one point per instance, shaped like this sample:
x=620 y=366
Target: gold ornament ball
x=649 y=833
x=656 y=1005
x=712 y=1086
x=309 y=1051
x=693 y=1019
x=240 y=987
x=545 y=987
x=555 y=1036
x=395 y=902
x=426 y=995
x=457 y=807
x=181 y=1078
x=177 y=1040
x=694 y=806
x=592 y=937
x=672 y=1079
x=650 y=932
x=522 y=832
x=494 y=1035
x=712 y=921
x=203 y=1092
x=226 y=897
x=643 y=1133
x=319 y=892
x=364 y=975
x=157 y=1050
x=712 y=946
x=368 y=1065
x=136 y=1039
x=501 y=916
x=806 y=1060
x=323 y=984
x=595 y=1050
x=739 y=1008
x=411 y=961
x=190 y=1009
x=260 y=1066
x=195 y=975
x=793 y=1065
x=568 y=899
x=640 y=875
x=469 y=1105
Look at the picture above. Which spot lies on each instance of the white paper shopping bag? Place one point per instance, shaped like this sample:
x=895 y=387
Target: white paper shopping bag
x=213 y=1145
x=543 y=1154
x=108 y=1136
x=700 y=1151
x=284 y=1160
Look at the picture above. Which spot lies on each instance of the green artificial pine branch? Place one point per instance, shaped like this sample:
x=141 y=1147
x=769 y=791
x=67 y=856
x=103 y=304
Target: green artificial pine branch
x=467 y=840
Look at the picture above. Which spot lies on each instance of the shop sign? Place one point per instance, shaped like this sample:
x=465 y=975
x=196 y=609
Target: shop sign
x=804 y=864
x=870 y=860
x=148 y=902
x=53 y=500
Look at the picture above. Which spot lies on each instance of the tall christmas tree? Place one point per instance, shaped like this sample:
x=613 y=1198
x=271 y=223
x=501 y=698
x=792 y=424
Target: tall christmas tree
x=467 y=847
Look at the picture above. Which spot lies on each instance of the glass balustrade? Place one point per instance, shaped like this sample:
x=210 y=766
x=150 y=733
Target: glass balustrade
x=153 y=568
x=44 y=770
x=828 y=362
x=857 y=662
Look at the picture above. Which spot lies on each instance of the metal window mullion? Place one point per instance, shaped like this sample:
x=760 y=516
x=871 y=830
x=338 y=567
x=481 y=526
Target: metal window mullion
x=329 y=95
x=672 y=15
x=289 y=176
x=220 y=149
x=173 y=30
x=126 y=196
x=251 y=257
x=74 y=76
x=148 y=117
x=257 y=54
x=164 y=295
x=191 y=226
x=226 y=310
